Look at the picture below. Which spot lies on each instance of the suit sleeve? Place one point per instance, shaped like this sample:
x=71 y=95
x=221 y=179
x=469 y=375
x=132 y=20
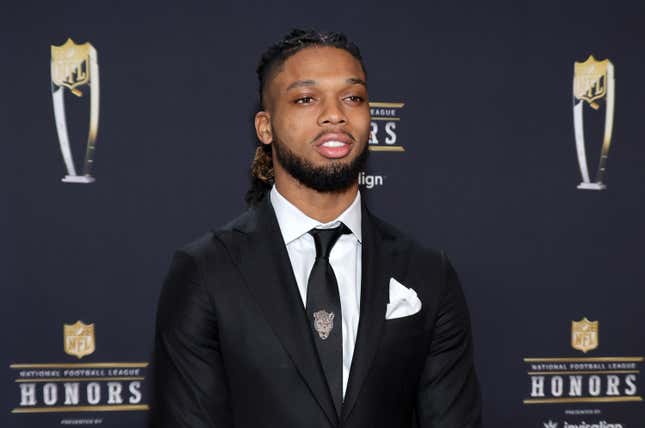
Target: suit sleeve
x=449 y=395
x=190 y=388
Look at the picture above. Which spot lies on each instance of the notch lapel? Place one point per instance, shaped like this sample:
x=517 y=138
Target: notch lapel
x=264 y=263
x=377 y=260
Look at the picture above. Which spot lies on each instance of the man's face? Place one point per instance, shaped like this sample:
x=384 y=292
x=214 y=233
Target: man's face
x=318 y=113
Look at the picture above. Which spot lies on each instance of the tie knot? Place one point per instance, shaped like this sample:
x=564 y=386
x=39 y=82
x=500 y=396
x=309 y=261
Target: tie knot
x=326 y=238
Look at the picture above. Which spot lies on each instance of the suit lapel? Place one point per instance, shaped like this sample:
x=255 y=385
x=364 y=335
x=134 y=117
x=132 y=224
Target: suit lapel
x=377 y=260
x=264 y=263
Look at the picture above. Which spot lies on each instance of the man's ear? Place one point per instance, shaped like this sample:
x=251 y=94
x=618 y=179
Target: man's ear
x=263 y=127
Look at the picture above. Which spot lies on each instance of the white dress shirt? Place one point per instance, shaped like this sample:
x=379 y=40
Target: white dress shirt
x=345 y=259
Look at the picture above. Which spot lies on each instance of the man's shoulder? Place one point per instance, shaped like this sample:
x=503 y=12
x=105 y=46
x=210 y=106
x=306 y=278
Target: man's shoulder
x=215 y=241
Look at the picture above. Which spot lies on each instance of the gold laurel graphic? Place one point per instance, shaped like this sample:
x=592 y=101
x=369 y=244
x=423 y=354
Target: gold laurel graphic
x=386 y=148
x=588 y=372
x=58 y=409
x=76 y=379
x=77 y=365
x=586 y=360
x=386 y=105
x=583 y=400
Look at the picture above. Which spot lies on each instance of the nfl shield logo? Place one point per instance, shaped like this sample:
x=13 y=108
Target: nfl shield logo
x=584 y=335
x=590 y=80
x=70 y=65
x=78 y=339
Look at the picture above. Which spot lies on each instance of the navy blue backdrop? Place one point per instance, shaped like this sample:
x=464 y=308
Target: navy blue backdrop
x=488 y=172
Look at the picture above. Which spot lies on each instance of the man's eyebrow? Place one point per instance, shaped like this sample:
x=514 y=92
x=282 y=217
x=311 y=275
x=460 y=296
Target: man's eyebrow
x=356 y=81
x=301 y=83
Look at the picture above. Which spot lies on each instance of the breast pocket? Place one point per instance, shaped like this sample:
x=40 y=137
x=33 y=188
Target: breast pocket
x=403 y=343
x=404 y=327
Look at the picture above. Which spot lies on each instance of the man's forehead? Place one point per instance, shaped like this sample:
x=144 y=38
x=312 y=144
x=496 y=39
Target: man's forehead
x=314 y=65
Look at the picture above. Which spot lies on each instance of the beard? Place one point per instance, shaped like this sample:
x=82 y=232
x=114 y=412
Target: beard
x=335 y=177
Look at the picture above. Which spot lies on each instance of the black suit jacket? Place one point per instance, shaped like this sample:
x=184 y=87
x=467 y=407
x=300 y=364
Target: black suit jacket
x=233 y=347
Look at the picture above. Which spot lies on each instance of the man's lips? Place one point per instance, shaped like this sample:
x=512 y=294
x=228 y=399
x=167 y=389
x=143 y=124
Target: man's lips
x=334 y=145
x=343 y=137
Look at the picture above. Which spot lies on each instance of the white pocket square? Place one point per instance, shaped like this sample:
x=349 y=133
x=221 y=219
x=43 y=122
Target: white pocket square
x=403 y=301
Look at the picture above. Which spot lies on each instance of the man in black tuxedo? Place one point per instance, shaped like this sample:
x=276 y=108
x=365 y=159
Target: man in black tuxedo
x=307 y=311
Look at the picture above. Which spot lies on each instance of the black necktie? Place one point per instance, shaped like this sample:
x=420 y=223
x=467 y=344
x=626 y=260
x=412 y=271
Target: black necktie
x=323 y=309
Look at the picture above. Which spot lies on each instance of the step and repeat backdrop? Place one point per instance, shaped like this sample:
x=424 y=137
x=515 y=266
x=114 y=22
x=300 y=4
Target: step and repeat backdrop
x=510 y=135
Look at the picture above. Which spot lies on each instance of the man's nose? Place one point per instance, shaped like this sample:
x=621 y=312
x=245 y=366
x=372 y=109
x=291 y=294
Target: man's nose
x=332 y=113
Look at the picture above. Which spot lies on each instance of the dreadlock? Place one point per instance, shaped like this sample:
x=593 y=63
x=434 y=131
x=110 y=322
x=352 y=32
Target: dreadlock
x=272 y=59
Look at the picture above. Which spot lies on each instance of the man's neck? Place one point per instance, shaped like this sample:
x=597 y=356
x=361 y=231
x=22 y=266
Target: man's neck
x=321 y=206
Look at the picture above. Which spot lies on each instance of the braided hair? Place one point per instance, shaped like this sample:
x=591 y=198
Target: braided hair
x=262 y=178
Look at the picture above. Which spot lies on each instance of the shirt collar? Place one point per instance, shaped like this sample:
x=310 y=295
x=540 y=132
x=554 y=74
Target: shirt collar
x=294 y=223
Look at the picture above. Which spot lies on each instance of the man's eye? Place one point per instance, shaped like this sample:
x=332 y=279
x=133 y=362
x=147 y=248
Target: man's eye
x=304 y=100
x=355 y=99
